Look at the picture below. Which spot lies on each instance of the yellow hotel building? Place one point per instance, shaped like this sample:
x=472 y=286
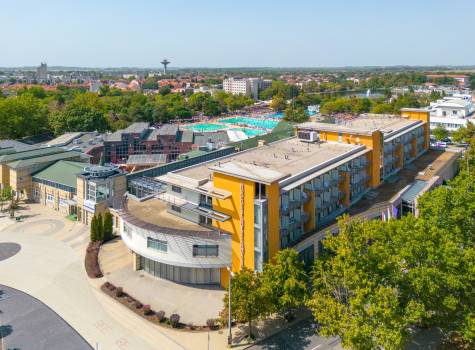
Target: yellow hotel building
x=241 y=209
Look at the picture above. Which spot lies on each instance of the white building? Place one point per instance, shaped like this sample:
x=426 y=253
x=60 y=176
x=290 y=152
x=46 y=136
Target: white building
x=246 y=86
x=452 y=112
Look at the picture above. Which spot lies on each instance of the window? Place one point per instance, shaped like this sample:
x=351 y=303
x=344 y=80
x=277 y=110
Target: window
x=36 y=193
x=49 y=197
x=205 y=220
x=175 y=208
x=176 y=189
x=157 y=244
x=205 y=250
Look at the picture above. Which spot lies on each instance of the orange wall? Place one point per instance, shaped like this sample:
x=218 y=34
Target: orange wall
x=232 y=207
x=309 y=208
x=373 y=142
x=273 y=218
x=424 y=116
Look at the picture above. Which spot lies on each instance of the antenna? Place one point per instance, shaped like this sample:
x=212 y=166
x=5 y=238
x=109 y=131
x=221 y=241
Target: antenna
x=165 y=63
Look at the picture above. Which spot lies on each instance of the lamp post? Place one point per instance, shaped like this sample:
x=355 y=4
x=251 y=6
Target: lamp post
x=230 y=336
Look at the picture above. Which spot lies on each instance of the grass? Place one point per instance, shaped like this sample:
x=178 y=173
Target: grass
x=72 y=217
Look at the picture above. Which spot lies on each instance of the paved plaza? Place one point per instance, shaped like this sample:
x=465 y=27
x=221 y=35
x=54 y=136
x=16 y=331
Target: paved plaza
x=194 y=304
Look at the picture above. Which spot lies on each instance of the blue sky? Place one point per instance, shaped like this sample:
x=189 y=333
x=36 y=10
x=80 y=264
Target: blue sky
x=237 y=33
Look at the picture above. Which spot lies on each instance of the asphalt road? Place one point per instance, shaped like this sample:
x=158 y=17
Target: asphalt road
x=26 y=323
x=300 y=336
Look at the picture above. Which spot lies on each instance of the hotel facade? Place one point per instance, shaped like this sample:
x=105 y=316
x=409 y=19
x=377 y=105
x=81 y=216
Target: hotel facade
x=240 y=210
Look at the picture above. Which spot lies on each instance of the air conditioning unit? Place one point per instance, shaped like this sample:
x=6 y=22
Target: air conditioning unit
x=308 y=136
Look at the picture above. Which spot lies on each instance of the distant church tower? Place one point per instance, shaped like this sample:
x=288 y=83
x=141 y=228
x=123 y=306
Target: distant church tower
x=42 y=73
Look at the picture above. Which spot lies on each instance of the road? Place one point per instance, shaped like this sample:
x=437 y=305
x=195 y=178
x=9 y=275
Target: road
x=27 y=323
x=300 y=336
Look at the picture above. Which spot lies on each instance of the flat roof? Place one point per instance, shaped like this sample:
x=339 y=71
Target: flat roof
x=365 y=124
x=155 y=212
x=438 y=165
x=272 y=162
x=63 y=139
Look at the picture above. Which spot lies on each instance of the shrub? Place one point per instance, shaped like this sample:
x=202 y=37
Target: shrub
x=91 y=260
x=108 y=285
x=119 y=292
x=174 y=320
x=147 y=310
x=211 y=322
x=108 y=229
x=161 y=316
x=138 y=304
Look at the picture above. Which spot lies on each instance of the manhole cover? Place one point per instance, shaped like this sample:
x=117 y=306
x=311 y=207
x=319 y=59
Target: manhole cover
x=7 y=250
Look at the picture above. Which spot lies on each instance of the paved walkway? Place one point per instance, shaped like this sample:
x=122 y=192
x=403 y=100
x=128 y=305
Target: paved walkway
x=194 y=304
x=27 y=323
x=50 y=267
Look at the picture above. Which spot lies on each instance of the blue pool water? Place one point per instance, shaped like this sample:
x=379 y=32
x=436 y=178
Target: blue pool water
x=251 y=132
x=256 y=122
x=205 y=127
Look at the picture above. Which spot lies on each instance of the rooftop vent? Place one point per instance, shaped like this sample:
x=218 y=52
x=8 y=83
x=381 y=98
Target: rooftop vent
x=308 y=136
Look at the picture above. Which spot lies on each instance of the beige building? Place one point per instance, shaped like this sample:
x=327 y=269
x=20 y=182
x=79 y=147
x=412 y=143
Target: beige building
x=16 y=168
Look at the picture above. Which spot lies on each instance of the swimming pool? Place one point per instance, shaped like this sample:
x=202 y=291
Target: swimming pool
x=256 y=122
x=205 y=127
x=250 y=132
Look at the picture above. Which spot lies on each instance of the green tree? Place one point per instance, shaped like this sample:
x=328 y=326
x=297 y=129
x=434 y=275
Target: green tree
x=100 y=228
x=440 y=133
x=464 y=133
x=93 y=234
x=248 y=300
x=86 y=112
x=295 y=115
x=285 y=281
x=108 y=226
x=278 y=103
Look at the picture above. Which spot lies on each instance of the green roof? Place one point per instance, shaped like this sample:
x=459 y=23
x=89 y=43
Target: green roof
x=8 y=150
x=63 y=172
x=22 y=163
x=30 y=154
x=191 y=154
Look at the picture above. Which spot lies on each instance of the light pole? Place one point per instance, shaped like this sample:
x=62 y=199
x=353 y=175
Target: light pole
x=230 y=336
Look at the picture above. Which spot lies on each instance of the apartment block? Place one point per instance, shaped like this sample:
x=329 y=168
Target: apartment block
x=240 y=210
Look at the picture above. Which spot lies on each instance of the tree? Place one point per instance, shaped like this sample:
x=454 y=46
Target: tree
x=295 y=115
x=278 y=103
x=6 y=195
x=100 y=228
x=93 y=234
x=86 y=112
x=285 y=281
x=248 y=301
x=440 y=133
x=108 y=226
x=464 y=133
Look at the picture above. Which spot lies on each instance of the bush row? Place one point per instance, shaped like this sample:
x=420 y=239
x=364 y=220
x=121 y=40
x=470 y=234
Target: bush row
x=144 y=310
x=91 y=261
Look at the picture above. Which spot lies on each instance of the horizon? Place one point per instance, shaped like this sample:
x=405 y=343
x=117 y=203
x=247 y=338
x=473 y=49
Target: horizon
x=247 y=34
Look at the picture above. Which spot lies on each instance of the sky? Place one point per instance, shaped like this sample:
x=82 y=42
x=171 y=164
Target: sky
x=237 y=33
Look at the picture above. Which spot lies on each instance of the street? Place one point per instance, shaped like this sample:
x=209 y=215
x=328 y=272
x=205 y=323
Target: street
x=300 y=336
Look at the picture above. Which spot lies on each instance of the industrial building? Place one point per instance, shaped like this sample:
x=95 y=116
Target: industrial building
x=241 y=209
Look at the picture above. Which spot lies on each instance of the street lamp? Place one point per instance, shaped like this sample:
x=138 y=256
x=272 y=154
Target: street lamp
x=230 y=336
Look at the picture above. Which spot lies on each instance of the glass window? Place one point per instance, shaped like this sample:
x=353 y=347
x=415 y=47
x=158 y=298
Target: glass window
x=205 y=250
x=157 y=244
x=175 y=208
x=176 y=189
x=49 y=197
